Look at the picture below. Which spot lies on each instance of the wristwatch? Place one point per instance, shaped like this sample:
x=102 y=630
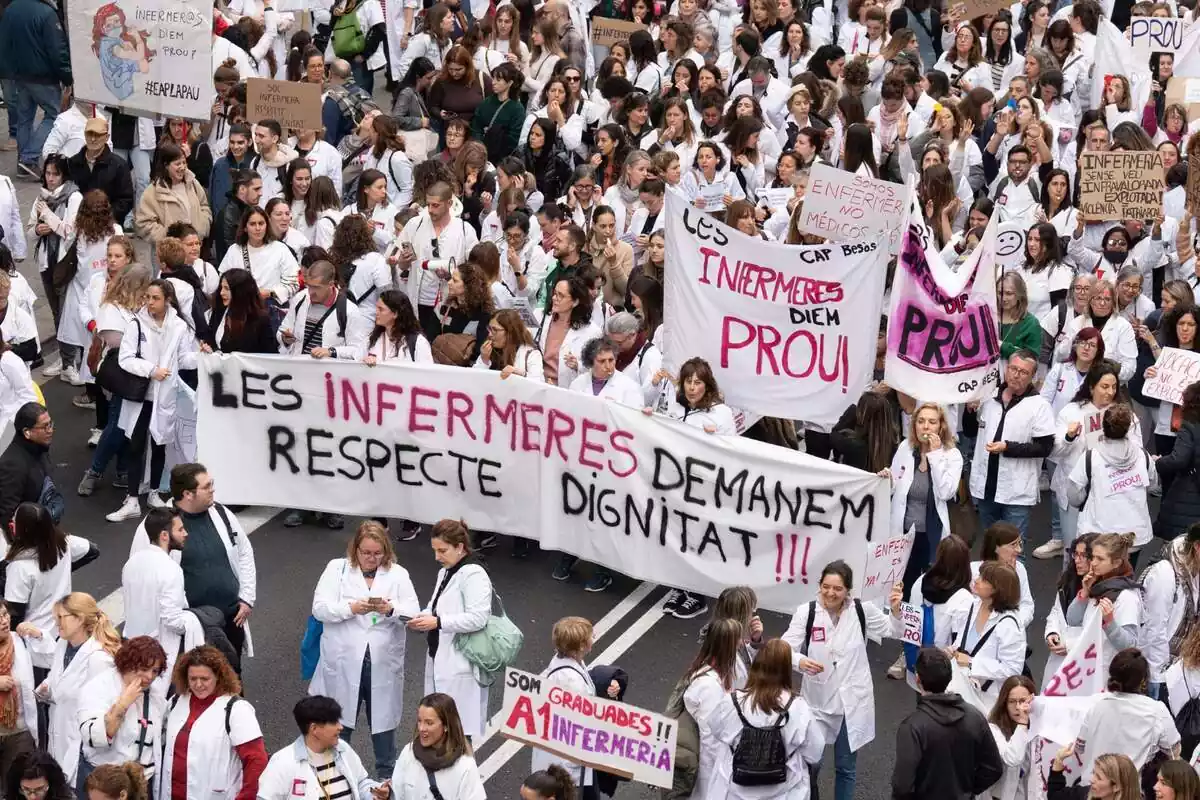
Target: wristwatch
x=333 y=352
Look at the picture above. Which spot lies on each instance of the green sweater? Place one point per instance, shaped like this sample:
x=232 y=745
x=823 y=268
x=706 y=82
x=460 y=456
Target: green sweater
x=1025 y=334
x=507 y=134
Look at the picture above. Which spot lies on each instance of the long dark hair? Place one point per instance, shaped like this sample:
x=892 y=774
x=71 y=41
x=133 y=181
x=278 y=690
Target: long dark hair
x=719 y=650
x=650 y=292
x=1069 y=581
x=860 y=149
x=406 y=322
x=30 y=766
x=1100 y=367
x=246 y=305
x=999 y=715
x=699 y=368
x=34 y=530
x=295 y=166
x=168 y=153
x=873 y=422
x=951 y=569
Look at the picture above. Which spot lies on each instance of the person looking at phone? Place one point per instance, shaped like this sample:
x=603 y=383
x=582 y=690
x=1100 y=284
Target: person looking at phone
x=364 y=601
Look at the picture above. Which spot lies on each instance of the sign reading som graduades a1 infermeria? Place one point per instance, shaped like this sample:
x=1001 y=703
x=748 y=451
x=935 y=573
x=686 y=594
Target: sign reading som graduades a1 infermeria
x=789 y=330
x=650 y=497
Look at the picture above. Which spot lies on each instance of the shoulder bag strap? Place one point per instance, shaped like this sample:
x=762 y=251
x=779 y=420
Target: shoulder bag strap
x=144 y=726
x=808 y=626
x=308 y=337
x=433 y=787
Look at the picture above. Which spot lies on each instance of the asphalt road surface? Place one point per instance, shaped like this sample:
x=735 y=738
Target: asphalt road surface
x=632 y=631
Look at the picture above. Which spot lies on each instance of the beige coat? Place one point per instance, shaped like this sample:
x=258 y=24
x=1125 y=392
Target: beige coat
x=161 y=207
x=615 y=271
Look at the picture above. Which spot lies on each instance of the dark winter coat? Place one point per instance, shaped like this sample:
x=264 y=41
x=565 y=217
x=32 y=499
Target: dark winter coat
x=110 y=174
x=1181 y=503
x=944 y=751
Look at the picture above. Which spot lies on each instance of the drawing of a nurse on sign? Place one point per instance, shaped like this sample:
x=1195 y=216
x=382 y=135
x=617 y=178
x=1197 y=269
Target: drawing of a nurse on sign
x=121 y=50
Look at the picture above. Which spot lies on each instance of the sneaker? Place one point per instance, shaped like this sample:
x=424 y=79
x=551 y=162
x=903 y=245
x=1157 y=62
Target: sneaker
x=52 y=370
x=83 y=401
x=599 y=582
x=121 y=481
x=487 y=541
x=29 y=172
x=130 y=509
x=71 y=375
x=672 y=602
x=562 y=571
x=154 y=500
x=690 y=606
x=94 y=437
x=335 y=522
x=88 y=484
x=408 y=531
x=294 y=519
x=1050 y=549
x=896 y=670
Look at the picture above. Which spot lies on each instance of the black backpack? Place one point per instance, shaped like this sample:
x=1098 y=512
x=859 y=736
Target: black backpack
x=1187 y=721
x=760 y=756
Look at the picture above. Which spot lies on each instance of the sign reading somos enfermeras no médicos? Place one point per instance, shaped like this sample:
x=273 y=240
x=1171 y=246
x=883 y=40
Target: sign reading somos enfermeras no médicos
x=650 y=497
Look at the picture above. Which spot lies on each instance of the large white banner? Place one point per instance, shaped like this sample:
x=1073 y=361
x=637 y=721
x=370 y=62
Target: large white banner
x=943 y=341
x=144 y=56
x=789 y=330
x=650 y=497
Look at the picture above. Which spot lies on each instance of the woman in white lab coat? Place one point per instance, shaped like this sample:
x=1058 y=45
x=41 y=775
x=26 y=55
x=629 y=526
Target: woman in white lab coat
x=988 y=637
x=767 y=700
x=928 y=458
x=565 y=330
x=572 y=638
x=1009 y=722
x=1002 y=543
x=363 y=602
x=461 y=604
x=599 y=358
x=439 y=754
x=16 y=384
x=223 y=744
x=828 y=637
x=85 y=630
x=1061 y=637
x=1111 y=590
x=940 y=593
x=709 y=680
x=93 y=227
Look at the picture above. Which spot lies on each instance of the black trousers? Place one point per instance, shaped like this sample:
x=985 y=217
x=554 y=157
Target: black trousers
x=135 y=445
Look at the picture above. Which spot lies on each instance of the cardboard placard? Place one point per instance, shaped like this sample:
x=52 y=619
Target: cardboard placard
x=1192 y=202
x=972 y=9
x=606 y=32
x=1120 y=185
x=1177 y=93
x=840 y=206
x=292 y=104
x=1174 y=371
x=1157 y=35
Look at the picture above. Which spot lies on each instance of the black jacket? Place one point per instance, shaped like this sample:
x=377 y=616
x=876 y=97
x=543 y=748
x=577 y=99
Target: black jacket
x=23 y=470
x=944 y=751
x=33 y=47
x=1057 y=789
x=1181 y=502
x=256 y=338
x=226 y=227
x=110 y=174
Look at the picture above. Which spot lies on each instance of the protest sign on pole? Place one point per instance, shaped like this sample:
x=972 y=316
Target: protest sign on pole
x=653 y=498
x=1149 y=35
x=789 y=330
x=1175 y=370
x=943 y=341
x=597 y=732
x=842 y=205
x=1010 y=246
x=144 y=56
x=1120 y=185
x=293 y=104
x=972 y=9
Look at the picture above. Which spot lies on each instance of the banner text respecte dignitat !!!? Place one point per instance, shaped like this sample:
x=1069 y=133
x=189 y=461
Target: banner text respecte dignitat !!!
x=651 y=497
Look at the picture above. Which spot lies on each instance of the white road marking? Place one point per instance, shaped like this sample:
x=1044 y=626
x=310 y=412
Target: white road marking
x=637 y=630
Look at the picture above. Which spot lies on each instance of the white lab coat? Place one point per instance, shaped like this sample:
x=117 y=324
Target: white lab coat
x=803 y=739
x=1026 y=611
x=1120 y=342
x=10 y=218
x=155 y=603
x=289 y=776
x=620 y=388
x=464 y=607
x=459 y=781
x=1014 y=753
x=16 y=384
x=703 y=699
x=96 y=698
x=170 y=344
x=347 y=637
x=945 y=472
x=65 y=690
x=351 y=346
x=1017 y=479
x=27 y=583
x=573 y=675
x=213 y=767
x=1001 y=656
x=22 y=673
x=573 y=342
x=93 y=258
x=844 y=689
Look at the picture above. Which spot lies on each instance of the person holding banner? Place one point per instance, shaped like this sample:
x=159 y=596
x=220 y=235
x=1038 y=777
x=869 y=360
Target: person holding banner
x=1115 y=778
x=1110 y=590
x=829 y=637
x=1061 y=637
x=1009 y=722
x=572 y=638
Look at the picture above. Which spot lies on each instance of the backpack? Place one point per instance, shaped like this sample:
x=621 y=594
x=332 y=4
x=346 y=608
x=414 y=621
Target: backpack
x=1033 y=190
x=228 y=713
x=687 y=744
x=1187 y=721
x=812 y=616
x=760 y=756
x=348 y=37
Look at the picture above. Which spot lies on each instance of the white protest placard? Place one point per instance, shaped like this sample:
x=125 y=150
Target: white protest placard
x=1191 y=94
x=713 y=196
x=943 y=341
x=886 y=562
x=653 y=498
x=1148 y=35
x=594 y=731
x=144 y=56
x=1174 y=371
x=1010 y=245
x=777 y=198
x=914 y=623
x=841 y=206
x=1113 y=55
x=786 y=328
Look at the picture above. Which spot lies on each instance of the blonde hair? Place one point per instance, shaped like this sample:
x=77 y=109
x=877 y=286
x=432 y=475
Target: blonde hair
x=128 y=289
x=1120 y=771
x=944 y=432
x=572 y=636
x=83 y=606
x=370 y=529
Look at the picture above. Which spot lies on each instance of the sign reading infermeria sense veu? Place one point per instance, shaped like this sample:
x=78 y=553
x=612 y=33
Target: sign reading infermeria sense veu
x=1120 y=185
x=653 y=498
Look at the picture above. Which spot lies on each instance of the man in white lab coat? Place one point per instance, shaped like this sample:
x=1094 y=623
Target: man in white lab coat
x=152 y=582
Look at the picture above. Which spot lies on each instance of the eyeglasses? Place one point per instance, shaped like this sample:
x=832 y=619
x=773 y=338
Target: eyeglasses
x=35 y=791
x=572 y=78
x=45 y=426
x=1019 y=370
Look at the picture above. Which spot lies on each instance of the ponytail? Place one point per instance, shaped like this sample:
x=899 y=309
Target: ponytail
x=553 y=783
x=106 y=634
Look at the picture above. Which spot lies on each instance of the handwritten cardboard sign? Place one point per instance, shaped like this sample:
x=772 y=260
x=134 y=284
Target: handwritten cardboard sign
x=292 y=104
x=886 y=562
x=1156 y=35
x=1175 y=370
x=840 y=206
x=914 y=623
x=606 y=32
x=1120 y=185
x=590 y=730
x=973 y=9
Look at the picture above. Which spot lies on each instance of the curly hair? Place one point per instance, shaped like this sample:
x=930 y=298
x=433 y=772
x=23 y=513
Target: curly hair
x=115 y=780
x=206 y=656
x=477 y=295
x=351 y=240
x=140 y=652
x=94 y=221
